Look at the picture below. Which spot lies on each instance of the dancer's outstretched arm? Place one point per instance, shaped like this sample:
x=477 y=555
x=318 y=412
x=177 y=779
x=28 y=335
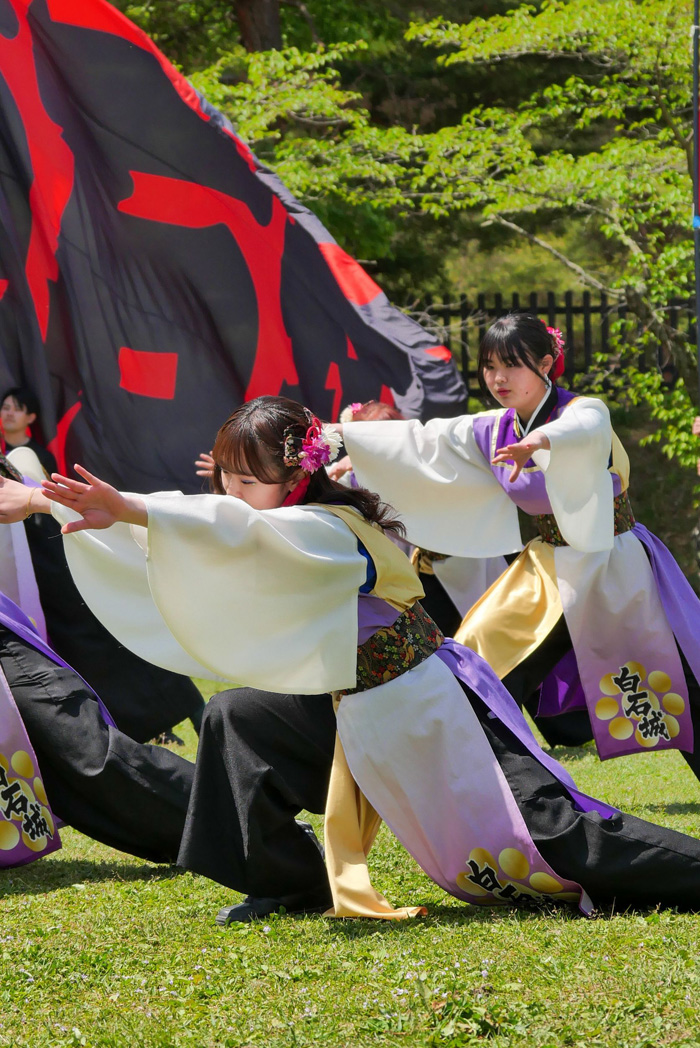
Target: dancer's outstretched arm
x=99 y=504
x=520 y=453
x=19 y=501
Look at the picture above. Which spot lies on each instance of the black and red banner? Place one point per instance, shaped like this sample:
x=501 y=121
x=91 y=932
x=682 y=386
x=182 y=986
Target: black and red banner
x=153 y=274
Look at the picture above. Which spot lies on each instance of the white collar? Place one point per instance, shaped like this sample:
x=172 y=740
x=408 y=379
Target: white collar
x=526 y=429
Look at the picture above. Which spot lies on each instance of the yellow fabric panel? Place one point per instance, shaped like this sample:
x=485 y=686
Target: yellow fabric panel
x=397 y=582
x=517 y=612
x=620 y=461
x=351 y=824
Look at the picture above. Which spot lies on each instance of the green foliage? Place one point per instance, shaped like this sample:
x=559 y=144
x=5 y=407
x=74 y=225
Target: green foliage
x=271 y=91
x=375 y=22
x=671 y=409
x=631 y=179
x=665 y=494
x=632 y=380
x=608 y=146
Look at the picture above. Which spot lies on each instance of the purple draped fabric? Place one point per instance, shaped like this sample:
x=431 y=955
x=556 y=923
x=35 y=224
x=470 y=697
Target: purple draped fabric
x=15 y=620
x=468 y=667
x=478 y=675
x=677 y=596
x=562 y=691
x=528 y=491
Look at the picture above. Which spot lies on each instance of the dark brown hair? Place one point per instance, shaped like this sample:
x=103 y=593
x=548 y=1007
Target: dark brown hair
x=251 y=441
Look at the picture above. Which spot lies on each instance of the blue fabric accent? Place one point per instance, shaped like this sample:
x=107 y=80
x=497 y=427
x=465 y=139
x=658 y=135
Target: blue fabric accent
x=371 y=579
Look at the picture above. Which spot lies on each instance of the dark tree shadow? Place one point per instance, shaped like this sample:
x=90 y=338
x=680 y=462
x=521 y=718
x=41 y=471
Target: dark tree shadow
x=453 y=915
x=572 y=753
x=471 y=915
x=675 y=808
x=53 y=874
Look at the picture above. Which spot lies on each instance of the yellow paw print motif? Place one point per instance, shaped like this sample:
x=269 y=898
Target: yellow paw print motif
x=24 y=812
x=631 y=705
x=508 y=878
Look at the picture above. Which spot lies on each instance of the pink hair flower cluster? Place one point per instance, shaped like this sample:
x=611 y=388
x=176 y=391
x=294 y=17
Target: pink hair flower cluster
x=319 y=447
x=348 y=412
x=557 y=338
x=558 y=346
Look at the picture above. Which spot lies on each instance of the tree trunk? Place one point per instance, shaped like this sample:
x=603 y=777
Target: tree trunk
x=259 y=24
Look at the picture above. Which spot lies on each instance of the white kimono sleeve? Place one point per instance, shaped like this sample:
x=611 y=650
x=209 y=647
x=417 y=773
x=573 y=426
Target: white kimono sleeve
x=439 y=483
x=214 y=588
x=579 y=484
x=466 y=579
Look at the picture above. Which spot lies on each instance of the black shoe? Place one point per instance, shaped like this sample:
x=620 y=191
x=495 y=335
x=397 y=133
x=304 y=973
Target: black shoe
x=309 y=831
x=253 y=908
x=248 y=910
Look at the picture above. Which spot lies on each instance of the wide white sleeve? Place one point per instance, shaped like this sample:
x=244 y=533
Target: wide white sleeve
x=439 y=483
x=215 y=588
x=579 y=484
x=466 y=579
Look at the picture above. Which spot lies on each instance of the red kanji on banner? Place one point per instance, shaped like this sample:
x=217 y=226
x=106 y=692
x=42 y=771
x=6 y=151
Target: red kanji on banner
x=148 y=374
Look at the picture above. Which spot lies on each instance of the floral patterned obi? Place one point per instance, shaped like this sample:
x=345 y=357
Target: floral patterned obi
x=624 y=521
x=395 y=649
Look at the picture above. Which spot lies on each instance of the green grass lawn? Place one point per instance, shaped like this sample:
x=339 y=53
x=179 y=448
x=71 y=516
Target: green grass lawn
x=102 y=949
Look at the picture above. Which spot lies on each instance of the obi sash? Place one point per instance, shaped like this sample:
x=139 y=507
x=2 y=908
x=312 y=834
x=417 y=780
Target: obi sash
x=623 y=521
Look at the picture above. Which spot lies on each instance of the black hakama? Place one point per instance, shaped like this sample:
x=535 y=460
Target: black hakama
x=263 y=757
x=130 y=796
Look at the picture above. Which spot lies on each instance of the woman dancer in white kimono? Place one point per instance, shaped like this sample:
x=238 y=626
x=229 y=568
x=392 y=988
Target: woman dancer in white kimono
x=264 y=587
x=596 y=604
x=453 y=585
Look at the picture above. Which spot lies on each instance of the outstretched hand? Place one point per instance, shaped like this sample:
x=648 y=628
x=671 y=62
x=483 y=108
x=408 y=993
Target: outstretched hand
x=99 y=504
x=338 y=469
x=205 y=464
x=520 y=453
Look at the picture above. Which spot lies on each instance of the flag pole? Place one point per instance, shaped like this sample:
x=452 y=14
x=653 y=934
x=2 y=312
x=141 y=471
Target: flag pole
x=696 y=179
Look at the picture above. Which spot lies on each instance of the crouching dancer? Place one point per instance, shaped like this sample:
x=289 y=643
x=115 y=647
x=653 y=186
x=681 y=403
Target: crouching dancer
x=61 y=757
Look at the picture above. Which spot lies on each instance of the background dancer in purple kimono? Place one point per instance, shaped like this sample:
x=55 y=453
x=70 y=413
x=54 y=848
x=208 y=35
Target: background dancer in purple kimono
x=424 y=725
x=453 y=585
x=597 y=601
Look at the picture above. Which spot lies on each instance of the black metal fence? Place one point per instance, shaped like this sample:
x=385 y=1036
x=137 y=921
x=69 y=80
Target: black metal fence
x=584 y=318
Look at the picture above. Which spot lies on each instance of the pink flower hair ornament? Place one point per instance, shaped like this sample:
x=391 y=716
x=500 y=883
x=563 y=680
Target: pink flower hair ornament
x=557 y=369
x=319 y=447
x=348 y=412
